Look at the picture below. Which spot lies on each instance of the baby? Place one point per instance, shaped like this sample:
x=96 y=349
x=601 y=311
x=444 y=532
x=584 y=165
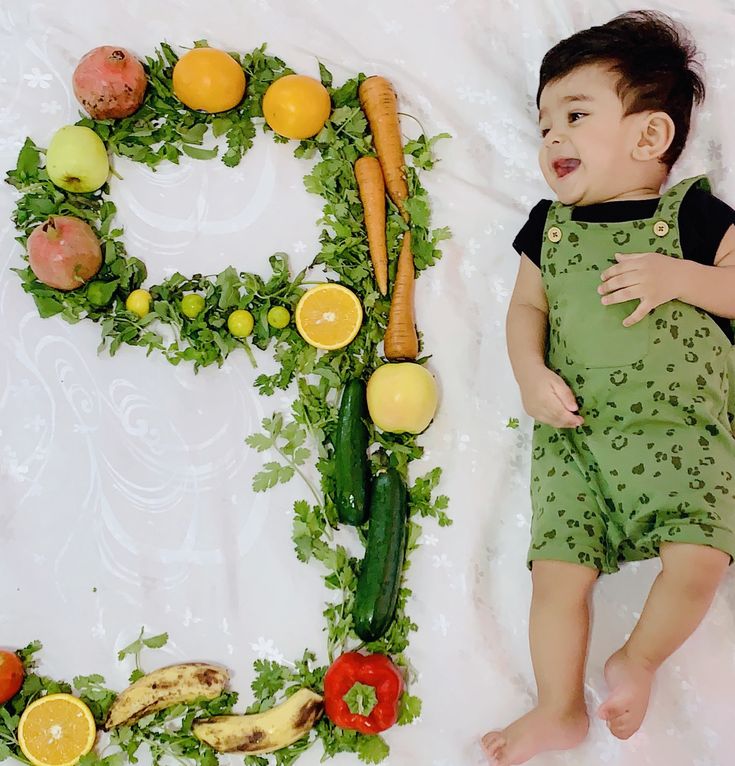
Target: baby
x=619 y=339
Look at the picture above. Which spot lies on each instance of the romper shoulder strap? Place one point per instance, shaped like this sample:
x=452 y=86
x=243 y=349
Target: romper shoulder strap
x=559 y=213
x=668 y=205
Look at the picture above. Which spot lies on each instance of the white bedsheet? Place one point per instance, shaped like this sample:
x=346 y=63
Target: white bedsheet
x=125 y=494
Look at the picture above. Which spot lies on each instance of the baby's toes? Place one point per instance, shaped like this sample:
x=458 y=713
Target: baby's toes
x=621 y=726
x=493 y=743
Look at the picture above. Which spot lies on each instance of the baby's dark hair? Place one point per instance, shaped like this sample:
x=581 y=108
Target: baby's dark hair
x=654 y=58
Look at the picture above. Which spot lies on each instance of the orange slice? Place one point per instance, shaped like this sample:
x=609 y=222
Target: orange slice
x=328 y=316
x=56 y=730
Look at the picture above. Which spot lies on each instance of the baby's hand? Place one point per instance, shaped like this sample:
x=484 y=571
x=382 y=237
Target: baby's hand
x=548 y=399
x=652 y=278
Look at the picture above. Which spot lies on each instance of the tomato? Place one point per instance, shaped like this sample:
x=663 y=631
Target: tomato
x=139 y=302
x=278 y=317
x=11 y=675
x=240 y=323
x=192 y=305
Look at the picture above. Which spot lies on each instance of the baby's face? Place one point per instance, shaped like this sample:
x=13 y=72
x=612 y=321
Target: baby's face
x=586 y=146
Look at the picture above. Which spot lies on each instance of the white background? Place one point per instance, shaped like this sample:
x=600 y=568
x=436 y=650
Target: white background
x=125 y=493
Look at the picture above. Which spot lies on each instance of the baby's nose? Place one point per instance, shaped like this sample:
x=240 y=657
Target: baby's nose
x=552 y=138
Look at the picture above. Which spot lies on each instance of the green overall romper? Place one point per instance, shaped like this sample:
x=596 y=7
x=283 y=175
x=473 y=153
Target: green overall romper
x=654 y=460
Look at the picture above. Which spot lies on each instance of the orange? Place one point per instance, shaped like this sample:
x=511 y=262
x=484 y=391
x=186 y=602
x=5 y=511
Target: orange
x=296 y=106
x=56 y=730
x=328 y=316
x=209 y=79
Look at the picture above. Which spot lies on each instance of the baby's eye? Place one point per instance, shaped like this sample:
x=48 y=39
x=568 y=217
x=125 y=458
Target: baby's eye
x=544 y=131
x=574 y=116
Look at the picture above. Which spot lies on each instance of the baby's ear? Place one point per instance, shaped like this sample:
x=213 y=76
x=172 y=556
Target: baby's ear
x=655 y=137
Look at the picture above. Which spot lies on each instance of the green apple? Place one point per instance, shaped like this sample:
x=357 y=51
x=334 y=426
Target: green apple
x=76 y=159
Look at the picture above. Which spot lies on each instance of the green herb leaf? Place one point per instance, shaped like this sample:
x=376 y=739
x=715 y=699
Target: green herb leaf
x=372 y=749
x=409 y=709
x=93 y=692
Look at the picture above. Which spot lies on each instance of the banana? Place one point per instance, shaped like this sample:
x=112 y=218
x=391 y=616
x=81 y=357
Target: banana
x=264 y=732
x=166 y=687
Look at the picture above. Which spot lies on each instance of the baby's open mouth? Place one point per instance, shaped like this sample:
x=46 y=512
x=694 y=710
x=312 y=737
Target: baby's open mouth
x=564 y=166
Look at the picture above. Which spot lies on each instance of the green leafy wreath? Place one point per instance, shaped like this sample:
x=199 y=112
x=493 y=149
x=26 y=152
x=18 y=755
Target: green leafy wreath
x=163 y=130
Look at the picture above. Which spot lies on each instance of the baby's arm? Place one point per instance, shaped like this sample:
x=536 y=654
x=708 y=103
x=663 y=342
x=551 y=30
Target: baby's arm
x=655 y=278
x=712 y=288
x=546 y=397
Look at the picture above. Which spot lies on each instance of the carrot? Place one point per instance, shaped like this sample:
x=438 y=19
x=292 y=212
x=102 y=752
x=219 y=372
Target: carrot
x=378 y=101
x=400 y=340
x=372 y=193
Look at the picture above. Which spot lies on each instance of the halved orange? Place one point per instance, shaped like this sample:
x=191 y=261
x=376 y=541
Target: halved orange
x=56 y=730
x=328 y=316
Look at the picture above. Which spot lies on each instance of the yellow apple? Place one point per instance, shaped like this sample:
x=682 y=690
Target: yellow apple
x=402 y=397
x=76 y=159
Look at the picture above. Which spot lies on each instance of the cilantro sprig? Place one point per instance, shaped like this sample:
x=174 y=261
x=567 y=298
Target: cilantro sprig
x=135 y=648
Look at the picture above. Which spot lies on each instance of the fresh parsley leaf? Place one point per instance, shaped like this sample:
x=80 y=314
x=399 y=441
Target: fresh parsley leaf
x=136 y=647
x=409 y=709
x=372 y=749
x=92 y=691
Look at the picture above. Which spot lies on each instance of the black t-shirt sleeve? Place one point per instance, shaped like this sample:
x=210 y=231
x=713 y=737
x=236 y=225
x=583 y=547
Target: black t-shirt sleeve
x=530 y=238
x=703 y=221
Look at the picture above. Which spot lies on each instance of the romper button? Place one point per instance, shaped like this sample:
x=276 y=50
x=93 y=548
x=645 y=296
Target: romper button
x=554 y=234
x=660 y=228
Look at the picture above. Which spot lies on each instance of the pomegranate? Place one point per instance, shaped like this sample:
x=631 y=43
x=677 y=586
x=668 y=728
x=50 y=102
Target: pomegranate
x=64 y=252
x=109 y=82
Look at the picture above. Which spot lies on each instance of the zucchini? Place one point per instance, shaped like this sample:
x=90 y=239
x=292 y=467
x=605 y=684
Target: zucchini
x=351 y=463
x=380 y=573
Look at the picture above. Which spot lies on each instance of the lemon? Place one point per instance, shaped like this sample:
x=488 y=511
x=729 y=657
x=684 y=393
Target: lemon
x=240 y=323
x=278 y=317
x=56 y=730
x=192 y=305
x=139 y=302
x=328 y=316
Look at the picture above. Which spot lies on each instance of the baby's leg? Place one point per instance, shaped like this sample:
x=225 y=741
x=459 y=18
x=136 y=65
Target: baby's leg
x=558 y=630
x=679 y=599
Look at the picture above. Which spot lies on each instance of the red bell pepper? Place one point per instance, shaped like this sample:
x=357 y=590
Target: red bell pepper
x=362 y=692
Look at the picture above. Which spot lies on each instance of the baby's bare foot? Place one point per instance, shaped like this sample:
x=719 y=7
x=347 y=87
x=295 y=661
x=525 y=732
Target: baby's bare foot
x=536 y=732
x=630 y=687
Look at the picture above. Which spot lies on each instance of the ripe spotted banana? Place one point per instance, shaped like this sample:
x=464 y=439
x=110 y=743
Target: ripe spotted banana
x=264 y=732
x=165 y=687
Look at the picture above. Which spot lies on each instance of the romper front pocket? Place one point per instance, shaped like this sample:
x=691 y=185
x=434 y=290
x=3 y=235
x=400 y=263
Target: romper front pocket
x=589 y=333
